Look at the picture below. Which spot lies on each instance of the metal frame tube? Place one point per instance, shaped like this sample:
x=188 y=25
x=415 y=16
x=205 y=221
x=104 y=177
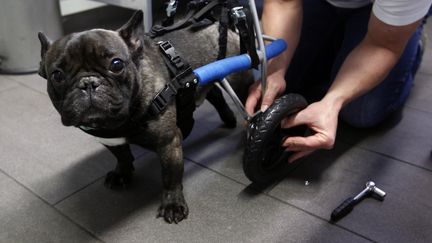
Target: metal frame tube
x=261 y=46
x=228 y=89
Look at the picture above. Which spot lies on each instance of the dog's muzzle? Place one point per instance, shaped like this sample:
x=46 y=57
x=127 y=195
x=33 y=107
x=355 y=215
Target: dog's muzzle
x=89 y=83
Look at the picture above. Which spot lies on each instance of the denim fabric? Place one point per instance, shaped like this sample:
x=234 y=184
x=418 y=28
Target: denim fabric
x=328 y=36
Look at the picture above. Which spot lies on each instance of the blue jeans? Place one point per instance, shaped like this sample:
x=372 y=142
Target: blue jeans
x=328 y=36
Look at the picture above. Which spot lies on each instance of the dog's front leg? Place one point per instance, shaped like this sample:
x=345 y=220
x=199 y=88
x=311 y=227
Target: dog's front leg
x=122 y=174
x=173 y=207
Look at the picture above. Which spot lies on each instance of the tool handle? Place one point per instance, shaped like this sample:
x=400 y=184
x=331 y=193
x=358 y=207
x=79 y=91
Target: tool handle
x=343 y=209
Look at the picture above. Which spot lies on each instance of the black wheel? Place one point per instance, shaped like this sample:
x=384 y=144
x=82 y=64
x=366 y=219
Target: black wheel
x=264 y=159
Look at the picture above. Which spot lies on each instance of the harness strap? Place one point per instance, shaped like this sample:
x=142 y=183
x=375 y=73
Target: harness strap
x=183 y=78
x=223 y=33
x=194 y=15
x=244 y=24
x=208 y=6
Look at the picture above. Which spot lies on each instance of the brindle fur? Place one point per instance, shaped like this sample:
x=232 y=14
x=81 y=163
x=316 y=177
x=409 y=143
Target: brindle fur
x=122 y=100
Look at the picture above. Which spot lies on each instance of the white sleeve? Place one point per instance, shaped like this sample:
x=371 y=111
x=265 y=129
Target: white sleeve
x=400 y=12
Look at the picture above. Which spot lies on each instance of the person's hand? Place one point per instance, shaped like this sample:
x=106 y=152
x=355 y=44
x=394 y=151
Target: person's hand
x=275 y=87
x=321 y=118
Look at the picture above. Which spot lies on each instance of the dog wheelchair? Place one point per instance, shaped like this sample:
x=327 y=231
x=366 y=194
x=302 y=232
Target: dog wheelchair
x=264 y=159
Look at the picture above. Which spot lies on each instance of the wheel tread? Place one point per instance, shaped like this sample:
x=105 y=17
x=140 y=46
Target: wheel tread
x=260 y=135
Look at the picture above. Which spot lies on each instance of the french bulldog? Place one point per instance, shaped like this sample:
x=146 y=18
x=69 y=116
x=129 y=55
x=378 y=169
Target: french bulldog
x=103 y=81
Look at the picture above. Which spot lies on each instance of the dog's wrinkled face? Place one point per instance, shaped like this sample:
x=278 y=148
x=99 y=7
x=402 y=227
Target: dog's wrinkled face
x=92 y=76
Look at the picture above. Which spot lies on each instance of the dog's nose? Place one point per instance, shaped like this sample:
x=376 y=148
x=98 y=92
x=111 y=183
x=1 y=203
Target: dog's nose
x=89 y=83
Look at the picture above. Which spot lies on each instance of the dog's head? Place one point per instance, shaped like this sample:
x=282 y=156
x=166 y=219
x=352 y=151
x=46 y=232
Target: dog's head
x=92 y=76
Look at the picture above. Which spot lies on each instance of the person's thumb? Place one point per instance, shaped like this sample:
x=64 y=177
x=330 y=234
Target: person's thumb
x=253 y=98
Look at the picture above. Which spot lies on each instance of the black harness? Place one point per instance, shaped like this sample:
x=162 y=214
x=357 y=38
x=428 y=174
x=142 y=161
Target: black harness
x=198 y=12
x=182 y=86
x=231 y=13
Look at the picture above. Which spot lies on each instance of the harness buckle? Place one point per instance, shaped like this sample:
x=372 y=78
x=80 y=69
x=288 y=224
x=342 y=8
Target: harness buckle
x=183 y=78
x=161 y=100
x=238 y=14
x=169 y=51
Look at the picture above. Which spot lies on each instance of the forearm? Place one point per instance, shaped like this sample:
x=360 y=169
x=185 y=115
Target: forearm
x=365 y=67
x=282 y=19
x=370 y=62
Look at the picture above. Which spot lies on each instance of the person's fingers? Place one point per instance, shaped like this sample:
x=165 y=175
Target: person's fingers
x=297 y=155
x=293 y=120
x=271 y=93
x=251 y=103
x=253 y=98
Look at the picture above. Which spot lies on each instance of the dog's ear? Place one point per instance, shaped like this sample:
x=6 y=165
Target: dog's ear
x=45 y=45
x=133 y=31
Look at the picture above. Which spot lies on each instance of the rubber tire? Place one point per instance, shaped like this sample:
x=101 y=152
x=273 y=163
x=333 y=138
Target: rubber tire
x=264 y=138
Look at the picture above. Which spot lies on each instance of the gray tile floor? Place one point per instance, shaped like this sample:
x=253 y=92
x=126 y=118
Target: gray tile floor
x=51 y=181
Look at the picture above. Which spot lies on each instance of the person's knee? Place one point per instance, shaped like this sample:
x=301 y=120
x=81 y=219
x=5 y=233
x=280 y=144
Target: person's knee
x=364 y=113
x=374 y=107
x=356 y=121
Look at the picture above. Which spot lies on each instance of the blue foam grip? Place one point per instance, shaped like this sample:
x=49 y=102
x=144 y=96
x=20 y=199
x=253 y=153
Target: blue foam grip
x=275 y=48
x=222 y=68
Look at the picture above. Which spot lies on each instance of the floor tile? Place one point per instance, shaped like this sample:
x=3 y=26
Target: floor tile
x=426 y=65
x=421 y=95
x=6 y=83
x=33 y=81
x=333 y=176
x=38 y=151
x=26 y=218
x=215 y=146
x=408 y=139
x=220 y=211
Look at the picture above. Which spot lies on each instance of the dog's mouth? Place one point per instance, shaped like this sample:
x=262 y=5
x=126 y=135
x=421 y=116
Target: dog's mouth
x=90 y=120
x=92 y=123
x=100 y=122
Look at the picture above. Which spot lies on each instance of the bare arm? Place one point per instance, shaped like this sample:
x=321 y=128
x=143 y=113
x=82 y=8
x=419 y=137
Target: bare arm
x=370 y=62
x=281 y=19
x=364 y=68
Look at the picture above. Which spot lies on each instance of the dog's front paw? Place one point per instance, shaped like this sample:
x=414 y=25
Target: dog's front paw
x=114 y=180
x=173 y=208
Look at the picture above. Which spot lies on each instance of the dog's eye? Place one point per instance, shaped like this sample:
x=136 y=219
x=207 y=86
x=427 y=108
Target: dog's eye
x=57 y=76
x=116 y=66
